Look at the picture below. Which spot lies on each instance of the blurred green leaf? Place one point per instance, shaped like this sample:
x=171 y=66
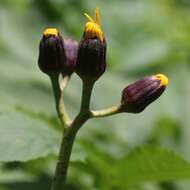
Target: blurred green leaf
x=151 y=163
x=16 y=176
x=23 y=138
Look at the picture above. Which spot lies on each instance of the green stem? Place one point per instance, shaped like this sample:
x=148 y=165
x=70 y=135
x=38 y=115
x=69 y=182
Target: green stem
x=106 y=112
x=69 y=137
x=63 y=162
x=86 y=95
x=58 y=94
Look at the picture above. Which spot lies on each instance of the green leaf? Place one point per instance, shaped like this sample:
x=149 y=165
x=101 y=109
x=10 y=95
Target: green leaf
x=16 y=176
x=152 y=163
x=23 y=138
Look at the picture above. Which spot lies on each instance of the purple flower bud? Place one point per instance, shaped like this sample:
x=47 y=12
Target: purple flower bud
x=71 y=50
x=137 y=96
x=91 y=60
x=51 y=52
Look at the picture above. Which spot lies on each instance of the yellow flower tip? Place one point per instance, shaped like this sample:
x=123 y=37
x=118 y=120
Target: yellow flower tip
x=97 y=15
x=50 y=31
x=163 y=79
x=92 y=27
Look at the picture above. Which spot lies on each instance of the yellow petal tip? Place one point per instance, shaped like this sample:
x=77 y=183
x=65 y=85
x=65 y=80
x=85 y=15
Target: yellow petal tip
x=92 y=27
x=50 y=31
x=163 y=79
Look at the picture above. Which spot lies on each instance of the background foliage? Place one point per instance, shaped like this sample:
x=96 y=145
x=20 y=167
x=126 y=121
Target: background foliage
x=136 y=152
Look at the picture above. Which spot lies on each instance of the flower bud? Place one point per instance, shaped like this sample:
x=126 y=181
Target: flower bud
x=91 y=60
x=137 y=96
x=71 y=50
x=51 y=52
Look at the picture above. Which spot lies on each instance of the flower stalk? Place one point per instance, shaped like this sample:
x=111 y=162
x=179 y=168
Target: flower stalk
x=58 y=91
x=106 y=112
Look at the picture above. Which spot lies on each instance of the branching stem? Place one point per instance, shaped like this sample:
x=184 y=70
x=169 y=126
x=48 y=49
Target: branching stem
x=69 y=136
x=71 y=128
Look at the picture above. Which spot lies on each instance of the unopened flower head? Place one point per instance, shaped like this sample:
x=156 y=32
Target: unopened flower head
x=91 y=60
x=51 y=52
x=137 y=96
x=71 y=50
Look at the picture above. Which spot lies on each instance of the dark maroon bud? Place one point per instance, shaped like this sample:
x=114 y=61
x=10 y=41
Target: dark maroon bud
x=91 y=60
x=51 y=52
x=137 y=96
x=71 y=50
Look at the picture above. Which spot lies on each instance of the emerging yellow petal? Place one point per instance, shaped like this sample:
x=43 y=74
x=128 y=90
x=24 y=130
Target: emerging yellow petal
x=163 y=79
x=50 y=31
x=92 y=28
